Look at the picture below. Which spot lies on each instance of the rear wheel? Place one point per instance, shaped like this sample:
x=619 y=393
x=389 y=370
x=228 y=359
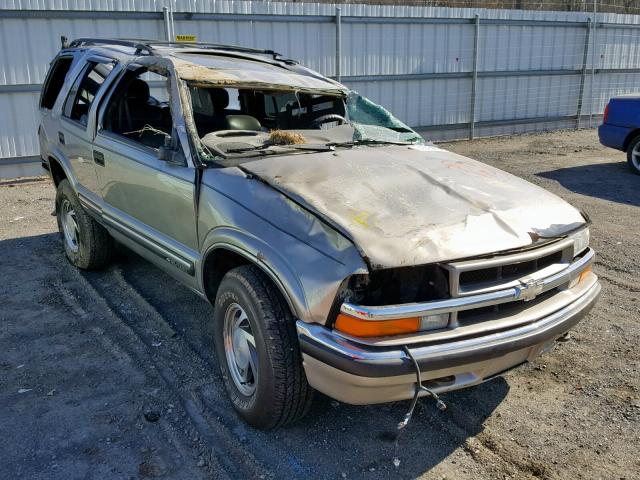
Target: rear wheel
x=87 y=244
x=633 y=155
x=257 y=348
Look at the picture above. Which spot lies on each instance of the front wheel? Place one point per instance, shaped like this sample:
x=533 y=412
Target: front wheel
x=633 y=155
x=257 y=348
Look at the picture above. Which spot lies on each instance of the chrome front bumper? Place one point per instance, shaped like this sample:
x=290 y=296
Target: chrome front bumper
x=357 y=373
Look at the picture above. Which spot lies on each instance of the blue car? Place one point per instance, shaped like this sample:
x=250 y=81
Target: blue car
x=620 y=128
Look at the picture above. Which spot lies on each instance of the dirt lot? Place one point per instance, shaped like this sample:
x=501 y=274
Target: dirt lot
x=110 y=374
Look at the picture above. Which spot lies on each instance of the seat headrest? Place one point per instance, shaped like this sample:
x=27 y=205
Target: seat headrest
x=219 y=98
x=139 y=90
x=242 y=122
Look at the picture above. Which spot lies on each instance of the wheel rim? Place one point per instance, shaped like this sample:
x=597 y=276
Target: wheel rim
x=240 y=349
x=635 y=156
x=69 y=225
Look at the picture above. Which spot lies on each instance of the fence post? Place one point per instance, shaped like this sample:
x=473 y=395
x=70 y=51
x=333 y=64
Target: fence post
x=593 y=59
x=474 y=80
x=338 y=43
x=583 y=75
x=167 y=23
x=173 y=28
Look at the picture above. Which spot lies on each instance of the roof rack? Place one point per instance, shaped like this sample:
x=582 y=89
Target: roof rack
x=138 y=45
x=146 y=46
x=219 y=46
x=216 y=46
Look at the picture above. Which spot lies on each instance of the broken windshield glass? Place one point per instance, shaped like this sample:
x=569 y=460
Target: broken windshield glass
x=374 y=122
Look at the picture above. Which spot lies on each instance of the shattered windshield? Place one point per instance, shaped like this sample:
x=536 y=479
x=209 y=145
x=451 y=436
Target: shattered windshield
x=374 y=122
x=237 y=122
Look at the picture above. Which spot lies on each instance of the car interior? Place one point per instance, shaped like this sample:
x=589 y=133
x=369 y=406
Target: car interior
x=219 y=113
x=137 y=115
x=223 y=115
x=256 y=110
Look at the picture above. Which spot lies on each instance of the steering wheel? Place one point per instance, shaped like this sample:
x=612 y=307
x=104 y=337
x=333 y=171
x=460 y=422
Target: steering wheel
x=329 y=118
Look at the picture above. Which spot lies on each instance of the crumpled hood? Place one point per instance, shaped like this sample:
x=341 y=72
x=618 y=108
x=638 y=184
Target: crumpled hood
x=420 y=204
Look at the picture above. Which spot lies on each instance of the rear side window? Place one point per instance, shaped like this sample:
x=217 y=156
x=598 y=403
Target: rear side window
x=84 y=91
x=54 y=82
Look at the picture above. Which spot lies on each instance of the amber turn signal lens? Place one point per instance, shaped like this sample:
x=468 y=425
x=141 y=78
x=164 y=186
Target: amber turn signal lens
x=584 y=273
x=372 y=328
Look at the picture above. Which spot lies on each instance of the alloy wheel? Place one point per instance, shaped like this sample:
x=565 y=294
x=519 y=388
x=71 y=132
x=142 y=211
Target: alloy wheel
x=635 y=156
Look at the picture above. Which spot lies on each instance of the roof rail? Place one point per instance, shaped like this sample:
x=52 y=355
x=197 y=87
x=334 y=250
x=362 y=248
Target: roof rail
x=218 y=46
x=140 y=47
x=146 y=46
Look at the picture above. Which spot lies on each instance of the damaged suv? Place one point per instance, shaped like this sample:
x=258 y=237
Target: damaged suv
x=341 y=252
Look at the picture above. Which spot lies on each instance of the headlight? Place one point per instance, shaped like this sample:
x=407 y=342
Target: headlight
x=580 y=241
x=434 y=322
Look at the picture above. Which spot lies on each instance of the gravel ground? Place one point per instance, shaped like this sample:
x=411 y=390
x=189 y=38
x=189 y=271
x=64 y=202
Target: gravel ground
x=111 y=374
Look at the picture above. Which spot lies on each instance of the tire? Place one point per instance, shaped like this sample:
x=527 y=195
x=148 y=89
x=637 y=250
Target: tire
x=87 y=244
x=277 y=393
x=633 y=155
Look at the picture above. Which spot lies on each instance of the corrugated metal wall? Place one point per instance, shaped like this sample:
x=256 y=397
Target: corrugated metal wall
x=417 y=61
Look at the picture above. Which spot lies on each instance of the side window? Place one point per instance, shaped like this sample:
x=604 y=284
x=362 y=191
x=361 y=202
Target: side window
x=284 y=101
x=55 y=80
x=139 y=109
x=84 y=91
x=234 y=99
x=270 y=106
x=201 y=101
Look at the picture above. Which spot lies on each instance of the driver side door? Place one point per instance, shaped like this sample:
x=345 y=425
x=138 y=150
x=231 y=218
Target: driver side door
x=148 y=203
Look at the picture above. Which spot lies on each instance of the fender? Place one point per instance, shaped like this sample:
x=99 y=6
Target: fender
x=64 y=163
x=265 y=257
x=633 y=133
x=89 y=201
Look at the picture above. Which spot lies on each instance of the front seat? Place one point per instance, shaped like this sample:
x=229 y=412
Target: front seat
x=220 y=102
x=139 y=112
x=136 y=101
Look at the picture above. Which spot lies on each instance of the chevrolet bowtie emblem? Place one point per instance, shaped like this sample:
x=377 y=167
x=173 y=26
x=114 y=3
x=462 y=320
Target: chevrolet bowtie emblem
x=529 y=288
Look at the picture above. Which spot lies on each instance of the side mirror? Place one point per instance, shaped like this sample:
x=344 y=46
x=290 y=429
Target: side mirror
x=171 y=152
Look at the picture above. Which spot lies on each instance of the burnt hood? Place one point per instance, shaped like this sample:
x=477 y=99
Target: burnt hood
x=413 y=205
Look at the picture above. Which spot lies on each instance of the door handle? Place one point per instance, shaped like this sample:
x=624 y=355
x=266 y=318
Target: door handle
x=61 y=137
x=98 y=157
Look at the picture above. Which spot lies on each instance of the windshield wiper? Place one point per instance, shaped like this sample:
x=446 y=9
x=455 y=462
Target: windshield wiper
x=353 y=143
x=262 y=148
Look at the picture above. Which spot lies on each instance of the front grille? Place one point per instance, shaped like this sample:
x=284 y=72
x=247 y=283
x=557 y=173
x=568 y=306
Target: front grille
x=506 y=273
x=480 y=276
x=477 y=315
x=500 y=272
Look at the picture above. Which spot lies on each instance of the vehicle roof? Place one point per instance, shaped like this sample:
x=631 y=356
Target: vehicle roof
x=206 y=64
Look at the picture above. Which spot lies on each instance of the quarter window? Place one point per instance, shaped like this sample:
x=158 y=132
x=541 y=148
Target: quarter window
x=81 y=96
x=55 y=81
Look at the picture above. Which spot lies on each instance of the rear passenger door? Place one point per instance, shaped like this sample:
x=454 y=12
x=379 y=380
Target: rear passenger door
x=147 y=202
x=76 y=126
